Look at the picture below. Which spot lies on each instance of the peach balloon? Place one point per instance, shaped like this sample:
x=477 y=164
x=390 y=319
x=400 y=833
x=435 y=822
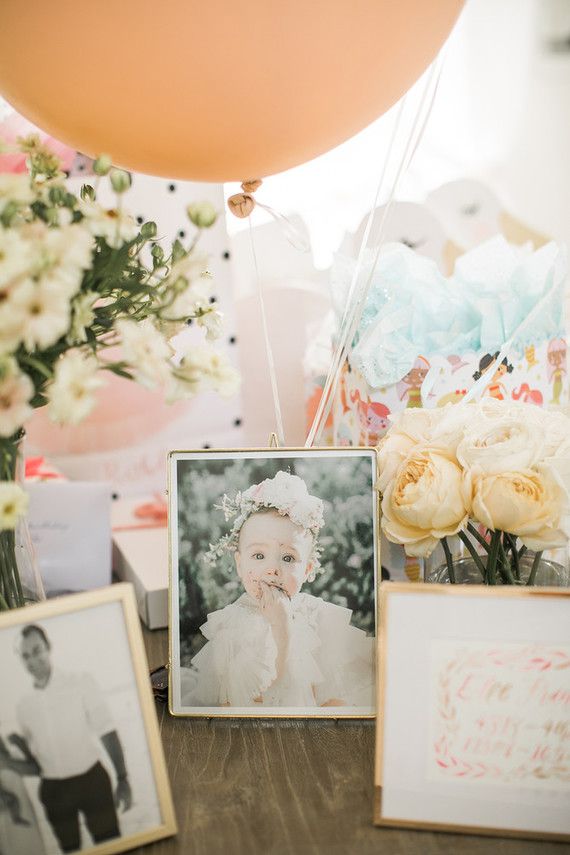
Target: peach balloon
x=214 y=91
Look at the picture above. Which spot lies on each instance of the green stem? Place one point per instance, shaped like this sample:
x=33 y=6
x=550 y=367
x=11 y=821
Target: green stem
x=504 y=566
x=522 y=551
x=493 y=555
x=478 y=537
x=36 y=364
x=534 y=568
x=7 y=572
x=4 y=588
x=473 y=552
x=11 y=576
x=17 y=581
x=449 y=560
x=512 y=541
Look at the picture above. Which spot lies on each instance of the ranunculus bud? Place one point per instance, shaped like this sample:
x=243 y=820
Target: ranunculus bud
x=102 y=164
x=157 y=253
x=57 y=195
x=148 y=230
x=87 y=193
x=202 y=214
x=241 y=205
x=120 y=180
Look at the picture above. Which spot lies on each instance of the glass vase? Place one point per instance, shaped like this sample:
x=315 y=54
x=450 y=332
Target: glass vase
x=548 y=573
x=20 y=579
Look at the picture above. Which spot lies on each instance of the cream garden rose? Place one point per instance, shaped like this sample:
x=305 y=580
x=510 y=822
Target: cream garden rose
x=425 y=501
x=528 y=503
x=392 y=451
x=499 y=444
x=502 y=464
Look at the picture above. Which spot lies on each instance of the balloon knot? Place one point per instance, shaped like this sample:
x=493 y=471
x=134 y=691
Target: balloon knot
x=252 y=185
x=242 y=204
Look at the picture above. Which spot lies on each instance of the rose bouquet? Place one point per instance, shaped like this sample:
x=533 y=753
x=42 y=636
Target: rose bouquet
x=494 y=474
x=85 y=290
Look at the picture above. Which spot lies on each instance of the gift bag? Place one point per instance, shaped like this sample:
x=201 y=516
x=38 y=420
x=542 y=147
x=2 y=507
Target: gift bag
x=494 y=328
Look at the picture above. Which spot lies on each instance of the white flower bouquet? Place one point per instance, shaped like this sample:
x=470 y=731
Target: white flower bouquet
x=493 y=473
x=85 y=290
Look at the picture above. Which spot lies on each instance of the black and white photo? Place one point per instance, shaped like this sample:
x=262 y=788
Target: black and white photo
x=77 y=769
x=273 y=567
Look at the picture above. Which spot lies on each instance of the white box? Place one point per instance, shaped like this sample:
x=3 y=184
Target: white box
x=140 y=556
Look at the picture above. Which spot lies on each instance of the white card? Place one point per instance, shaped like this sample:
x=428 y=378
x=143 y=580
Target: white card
x=70 y=526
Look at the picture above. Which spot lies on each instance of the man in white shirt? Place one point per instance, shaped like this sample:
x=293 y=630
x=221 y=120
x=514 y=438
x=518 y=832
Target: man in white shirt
x=62 y=721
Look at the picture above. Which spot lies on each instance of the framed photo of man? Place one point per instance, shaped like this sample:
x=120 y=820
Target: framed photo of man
x=273 y=582
x=81 y=762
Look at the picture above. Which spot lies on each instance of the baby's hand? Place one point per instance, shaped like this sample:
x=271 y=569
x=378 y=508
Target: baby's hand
x=275 y=605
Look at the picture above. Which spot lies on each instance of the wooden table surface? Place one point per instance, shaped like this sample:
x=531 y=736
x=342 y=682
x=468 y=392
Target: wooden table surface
x=276 y=788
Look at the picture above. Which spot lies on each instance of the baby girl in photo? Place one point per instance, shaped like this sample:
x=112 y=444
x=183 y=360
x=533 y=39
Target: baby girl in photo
x=277 y=645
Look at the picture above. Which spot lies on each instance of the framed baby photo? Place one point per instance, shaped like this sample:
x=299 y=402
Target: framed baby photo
x=81 y=762
x=473 y=728
x=273 y=561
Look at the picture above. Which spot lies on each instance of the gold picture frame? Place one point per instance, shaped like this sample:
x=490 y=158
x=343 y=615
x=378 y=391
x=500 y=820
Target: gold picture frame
x=396 y=670
x=173 y=624
x=68 y=624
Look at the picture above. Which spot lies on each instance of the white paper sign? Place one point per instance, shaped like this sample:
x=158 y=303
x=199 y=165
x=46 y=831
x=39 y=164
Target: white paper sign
x=70 y=526
x=500 y=714
x=473 y=730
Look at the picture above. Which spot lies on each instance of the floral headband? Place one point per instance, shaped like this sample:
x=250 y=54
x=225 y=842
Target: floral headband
x=285 y=493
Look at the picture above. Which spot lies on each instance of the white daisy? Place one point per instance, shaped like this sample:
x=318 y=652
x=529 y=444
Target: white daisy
x=83 y=315
x=203 y=367
x=65 y=254
x=11 y=326
x=213 y=323
x=70 y=394
x=191 y=267
x=114 y=225
x=190 y=374
x=16 y=392
x=14 y=257
x=15 y=188
x=146 y=350
x=13 y=504
x=44 y=311
x=223 y=376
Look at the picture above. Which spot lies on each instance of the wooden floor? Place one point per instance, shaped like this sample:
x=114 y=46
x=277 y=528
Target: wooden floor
x=290 y=787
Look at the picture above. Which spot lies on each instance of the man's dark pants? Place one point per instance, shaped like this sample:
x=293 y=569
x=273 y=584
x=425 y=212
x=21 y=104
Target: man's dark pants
x=90 y=794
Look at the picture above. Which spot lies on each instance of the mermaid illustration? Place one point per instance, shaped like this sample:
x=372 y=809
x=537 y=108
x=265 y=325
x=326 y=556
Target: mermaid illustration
x=556 y=367
x=373 y=418
x=411 y=383
x=495 y=389
x=528 y=395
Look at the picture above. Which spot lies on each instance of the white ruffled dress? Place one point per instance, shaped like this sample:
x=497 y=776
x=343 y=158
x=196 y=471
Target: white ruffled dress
x=329 y=660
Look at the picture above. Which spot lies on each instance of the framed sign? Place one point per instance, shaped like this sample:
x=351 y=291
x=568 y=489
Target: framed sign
x=273 y=582
x=473 y=727
x=81 y=761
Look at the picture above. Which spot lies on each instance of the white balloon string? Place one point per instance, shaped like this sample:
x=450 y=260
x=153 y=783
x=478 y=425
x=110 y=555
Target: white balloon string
x=370 y=220
x=351 y=318
x=293 y=234
x=335 y=363
x=268 y=349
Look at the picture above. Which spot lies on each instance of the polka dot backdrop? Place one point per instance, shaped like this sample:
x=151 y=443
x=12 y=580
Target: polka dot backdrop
x=126 y=438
